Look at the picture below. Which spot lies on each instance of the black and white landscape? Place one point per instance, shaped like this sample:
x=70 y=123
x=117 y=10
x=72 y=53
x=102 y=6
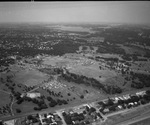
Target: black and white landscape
x=75 y=63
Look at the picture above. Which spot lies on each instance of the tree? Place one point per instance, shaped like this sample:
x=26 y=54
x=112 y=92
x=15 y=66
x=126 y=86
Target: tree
x=49 y=98
x=20 y=100
x=68 y=119
x=135 y=98
x=92 y=109
x=120 y=101
x=148 y=92
x=30 y=117
x=143 y=101
x=37 y=108
x=82 y=97
x=87 y=108
x=18 y=110
x=64 y=114
x=110 y=102
x=43 y=106
x=112 y=108
x=146 y=97
x=53 y=103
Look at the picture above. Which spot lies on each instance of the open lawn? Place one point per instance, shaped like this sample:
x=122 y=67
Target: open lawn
x=53 y=61
x=120 y=81
x=141 y=65
x=107 y=55
x=132 y=50
x=143 y=122
x=25 y=107
x=5 y=98
x=30 y=77
x=87 y=91
x=93 y=71
x=68 y=91
x=128 y=116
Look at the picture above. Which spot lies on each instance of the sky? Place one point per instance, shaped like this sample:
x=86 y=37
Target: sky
x=137 y=12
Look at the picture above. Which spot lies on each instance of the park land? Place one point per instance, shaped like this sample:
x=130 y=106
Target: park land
x=62 y=75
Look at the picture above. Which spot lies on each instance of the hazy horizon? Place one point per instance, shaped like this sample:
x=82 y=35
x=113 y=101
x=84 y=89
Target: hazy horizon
x=130 y=12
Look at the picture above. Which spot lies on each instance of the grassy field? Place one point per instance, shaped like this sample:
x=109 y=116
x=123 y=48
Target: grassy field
x=141 y=65
x=132 y=50
x=90 y=68
x=25 y=107
x=5 y=98
x=56 y=61
x=127 y=116
x=30 y=77
x=93 y=71
x=88 y=92
x=72 y=92
x=109 y=55
x=143 y=122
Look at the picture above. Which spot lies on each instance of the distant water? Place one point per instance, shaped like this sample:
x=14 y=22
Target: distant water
x=72 y=28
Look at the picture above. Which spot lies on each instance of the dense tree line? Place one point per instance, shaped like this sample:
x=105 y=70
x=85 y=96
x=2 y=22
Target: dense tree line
x=80 y=79
x=144 y=80
x=111 y=49
x=5 y=109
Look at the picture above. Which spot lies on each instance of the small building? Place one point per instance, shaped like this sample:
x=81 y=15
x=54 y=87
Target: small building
x=10 y=122
x=135 y=103
x=126 y=96
x=106 y=110
x=115 y=100
x=119 y=106
x=131 y=103
x=121 y=98
x=33 y=95
x=141 y=93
